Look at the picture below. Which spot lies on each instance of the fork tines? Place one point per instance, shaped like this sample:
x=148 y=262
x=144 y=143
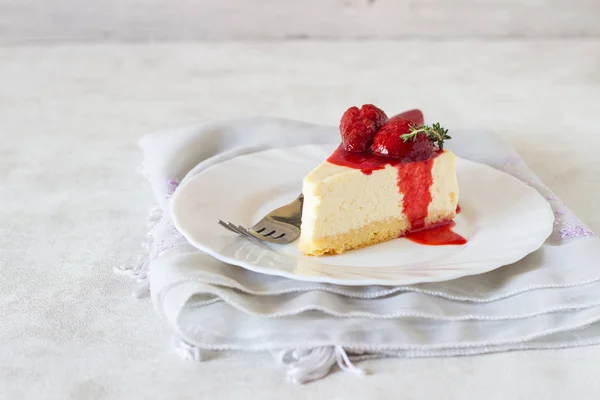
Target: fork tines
x=240 y=230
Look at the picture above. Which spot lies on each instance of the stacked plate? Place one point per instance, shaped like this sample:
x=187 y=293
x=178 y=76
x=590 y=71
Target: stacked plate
x=502 y=218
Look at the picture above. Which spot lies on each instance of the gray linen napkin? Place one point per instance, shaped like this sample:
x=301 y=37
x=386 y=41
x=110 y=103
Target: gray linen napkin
x=550 y=299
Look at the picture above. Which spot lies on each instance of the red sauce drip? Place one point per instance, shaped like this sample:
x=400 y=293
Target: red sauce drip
x=437 y=236
x=414 y=178
x=458 y=208
x=366 y=162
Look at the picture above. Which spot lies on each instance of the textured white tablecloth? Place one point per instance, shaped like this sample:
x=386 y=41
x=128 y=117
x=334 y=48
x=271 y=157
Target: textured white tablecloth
x=73 y=205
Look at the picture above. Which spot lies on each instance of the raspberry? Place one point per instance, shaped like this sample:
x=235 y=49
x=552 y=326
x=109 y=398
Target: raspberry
x=421 y=148
x=387 y=141
x=359 y=126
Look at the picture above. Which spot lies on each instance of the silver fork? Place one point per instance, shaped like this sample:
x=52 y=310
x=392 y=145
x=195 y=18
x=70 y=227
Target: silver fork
x=280 y=226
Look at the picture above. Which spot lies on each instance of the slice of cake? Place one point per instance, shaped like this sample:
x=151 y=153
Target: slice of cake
x=387 y=178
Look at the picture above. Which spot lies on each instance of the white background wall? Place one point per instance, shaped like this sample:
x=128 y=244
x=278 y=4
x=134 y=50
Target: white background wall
x=23 y=21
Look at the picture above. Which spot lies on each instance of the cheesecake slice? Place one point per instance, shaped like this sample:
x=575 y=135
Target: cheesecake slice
x=360 y=198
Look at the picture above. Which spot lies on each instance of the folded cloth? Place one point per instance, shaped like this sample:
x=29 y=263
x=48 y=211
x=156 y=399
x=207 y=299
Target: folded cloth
x=550 y=299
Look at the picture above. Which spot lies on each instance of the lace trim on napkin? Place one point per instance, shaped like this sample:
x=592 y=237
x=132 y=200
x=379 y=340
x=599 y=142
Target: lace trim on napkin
x=566 y=225
x=151 y=248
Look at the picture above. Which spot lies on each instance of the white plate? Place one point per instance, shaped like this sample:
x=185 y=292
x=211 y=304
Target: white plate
x=502 y=218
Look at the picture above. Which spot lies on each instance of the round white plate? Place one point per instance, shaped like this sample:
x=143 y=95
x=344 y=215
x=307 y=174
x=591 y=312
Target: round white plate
x=502 y=218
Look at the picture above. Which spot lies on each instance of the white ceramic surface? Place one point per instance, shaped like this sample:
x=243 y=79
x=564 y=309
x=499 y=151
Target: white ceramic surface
x=502 y=218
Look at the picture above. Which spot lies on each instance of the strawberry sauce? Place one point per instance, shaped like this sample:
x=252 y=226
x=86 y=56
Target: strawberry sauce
x=415 y=180
x=438 y=235
x=366 y=162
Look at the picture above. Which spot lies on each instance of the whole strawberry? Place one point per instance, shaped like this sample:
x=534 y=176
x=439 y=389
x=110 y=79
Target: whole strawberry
x=415 y=116
x=388 y=142
x=359 y=126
